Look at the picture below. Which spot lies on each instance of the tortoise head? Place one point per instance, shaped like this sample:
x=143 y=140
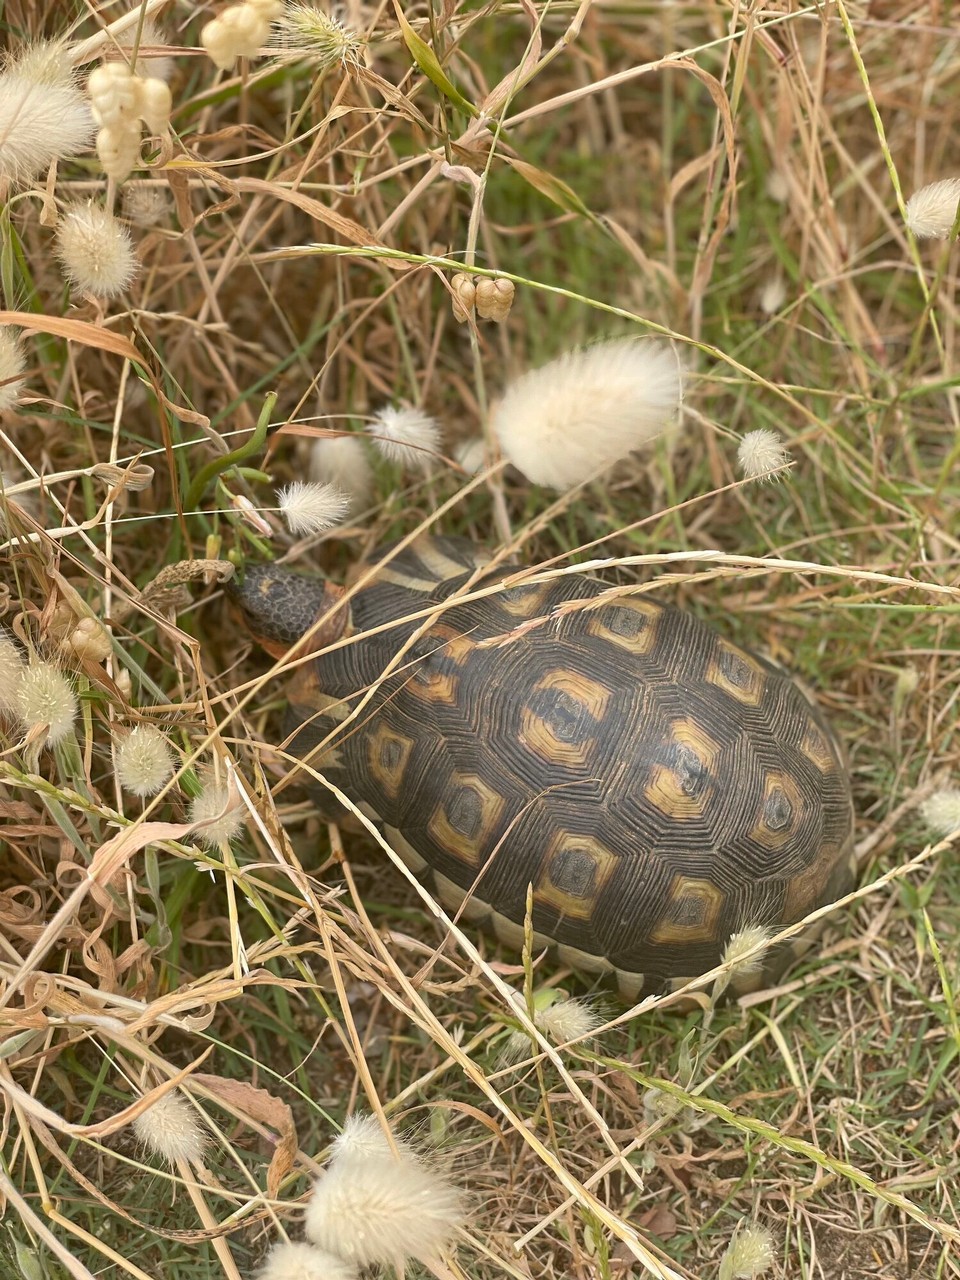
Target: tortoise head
x=279 y=606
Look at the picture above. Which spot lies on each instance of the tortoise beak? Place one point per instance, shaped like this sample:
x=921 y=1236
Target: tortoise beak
x=278 y=606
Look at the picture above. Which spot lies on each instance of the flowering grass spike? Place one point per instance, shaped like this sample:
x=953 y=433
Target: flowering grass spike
x=579 y=415
x=749 y=1254
x=407 y=436
x=310 y=32
x=561 y=1021
x=932 y=211
x=304 y=1262
x=95 y=251
x=736 y=952
x=43 y=115
x=144 y=761
x=343 y=461
x=941 y=811
x=12 y=363
x=761 y=455
x=170 y=1129
x=363 y=1136
x=372 y=1208
x=11 y=669
x=210 y=807
x=44 y=696
x=310 y=508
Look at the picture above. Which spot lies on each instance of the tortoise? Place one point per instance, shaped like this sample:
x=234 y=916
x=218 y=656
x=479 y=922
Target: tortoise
x=659 y=787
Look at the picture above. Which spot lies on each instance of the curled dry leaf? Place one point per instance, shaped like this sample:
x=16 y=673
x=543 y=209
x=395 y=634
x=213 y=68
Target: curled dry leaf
x=135 y=478
x=247 y=1102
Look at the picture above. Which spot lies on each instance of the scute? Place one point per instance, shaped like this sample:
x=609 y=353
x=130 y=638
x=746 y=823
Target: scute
x=659 y=788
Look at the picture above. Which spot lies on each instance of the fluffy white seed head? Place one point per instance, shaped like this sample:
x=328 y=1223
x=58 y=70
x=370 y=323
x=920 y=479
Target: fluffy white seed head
x=749 y=1254
x=932 y=211
x=941 y=811
x=311 y=33
x=362 y=1137
x=406 y=436
x=95 y=250
x=472 y=454
x=144 y=761
x=735 y=953
x=378 y=1210
x=568 y=1020
x=343 y=461
x=304 y=1262
x=170 y=1129
x=560 y=1021
x=12 y=364
x=761 y=455
x=11 y=668
x=43 y=115
x=211 y=807
x=145 y=204
x=778 y=188
x=310 y=508
x=580 y=414
x=152 y=37
x=773 y=295
x=44 y=696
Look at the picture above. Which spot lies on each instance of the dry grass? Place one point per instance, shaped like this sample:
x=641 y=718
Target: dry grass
x=637 y=168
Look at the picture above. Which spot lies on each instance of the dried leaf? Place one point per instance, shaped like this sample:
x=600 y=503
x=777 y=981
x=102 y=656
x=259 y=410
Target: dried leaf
x=248 y=1102
x=660 y=1221
x=553 y=188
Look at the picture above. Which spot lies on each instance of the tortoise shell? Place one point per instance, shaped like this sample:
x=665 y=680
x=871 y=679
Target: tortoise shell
x=660 y=788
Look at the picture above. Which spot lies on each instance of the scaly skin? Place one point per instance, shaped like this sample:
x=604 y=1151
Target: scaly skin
x=279 y=606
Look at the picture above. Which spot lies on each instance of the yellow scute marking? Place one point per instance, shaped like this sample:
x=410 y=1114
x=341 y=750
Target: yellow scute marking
x=736 y=673
x=692 y=913
x=464 y=823
x=388 y=754
x=676 y=791
x=573 y=874
x=629 y=624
